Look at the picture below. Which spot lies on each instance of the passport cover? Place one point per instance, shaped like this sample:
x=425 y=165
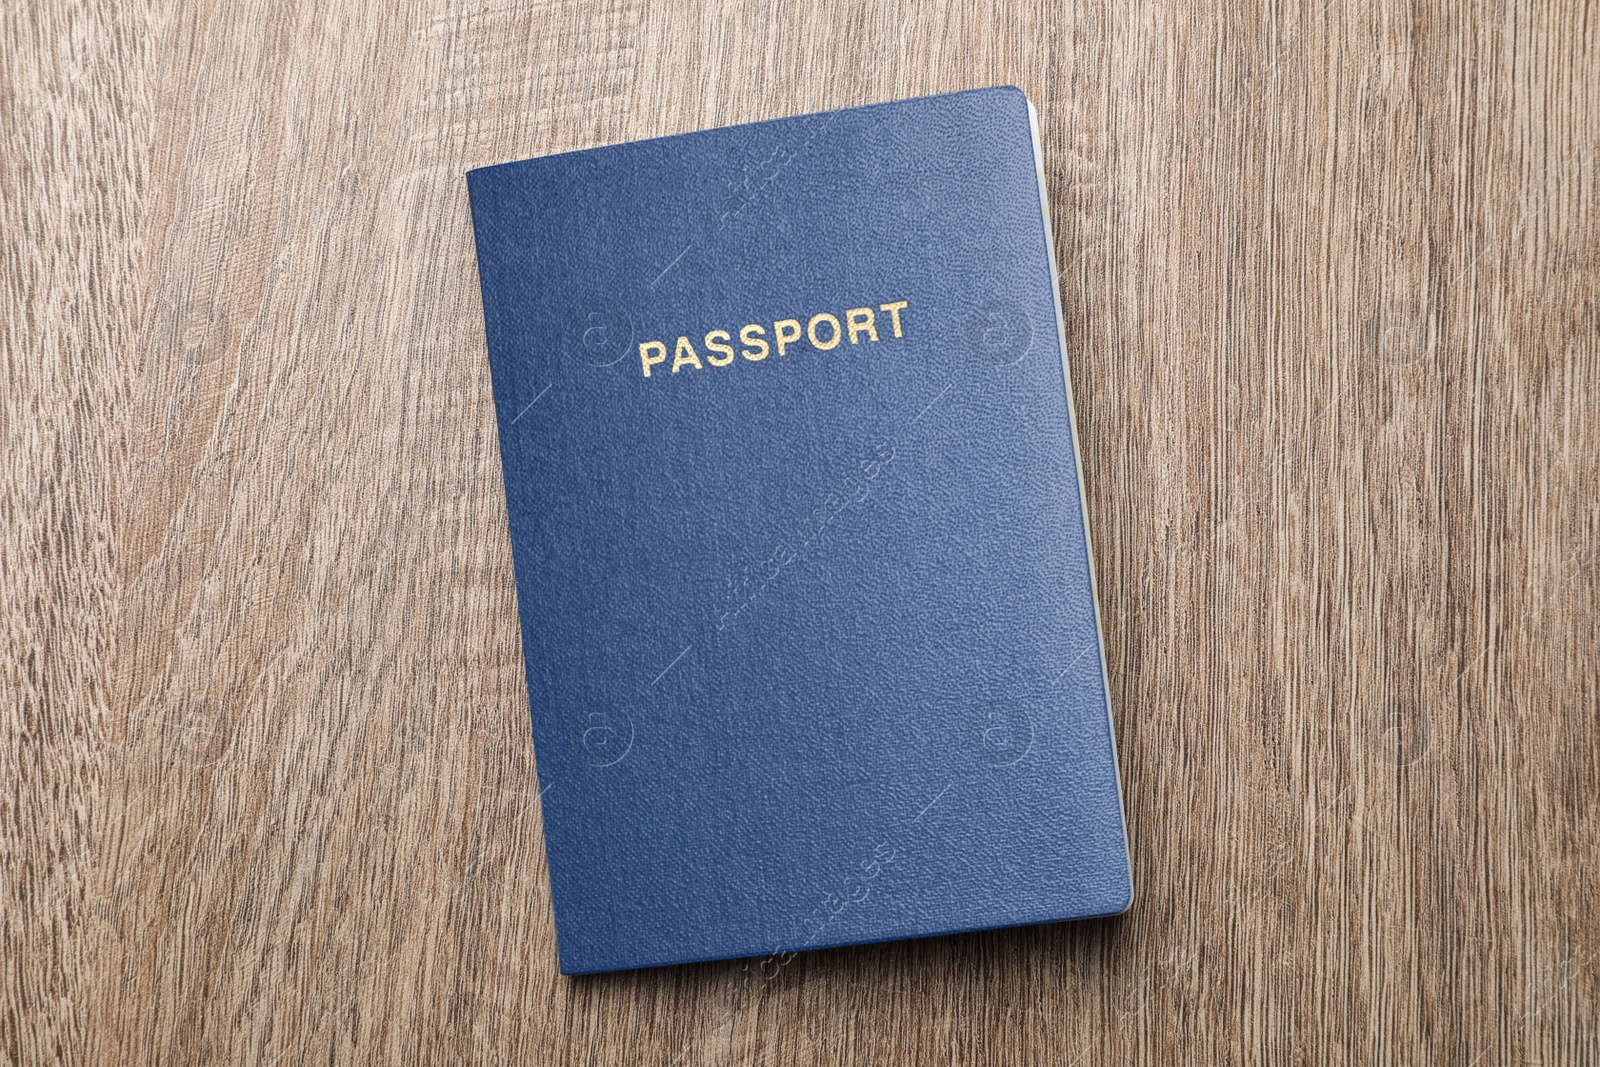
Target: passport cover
x=805 y=585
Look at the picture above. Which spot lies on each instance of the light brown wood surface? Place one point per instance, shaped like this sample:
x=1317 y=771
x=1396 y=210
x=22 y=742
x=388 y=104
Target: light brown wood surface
x=1331 y=274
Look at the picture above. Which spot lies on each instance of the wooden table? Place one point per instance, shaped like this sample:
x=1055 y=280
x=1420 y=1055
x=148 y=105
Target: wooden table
x=1331 y=273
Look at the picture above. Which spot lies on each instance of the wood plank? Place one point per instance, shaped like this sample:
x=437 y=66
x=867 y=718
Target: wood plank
x=1331 y=274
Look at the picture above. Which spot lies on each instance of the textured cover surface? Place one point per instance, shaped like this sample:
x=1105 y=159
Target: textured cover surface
x=811 y=638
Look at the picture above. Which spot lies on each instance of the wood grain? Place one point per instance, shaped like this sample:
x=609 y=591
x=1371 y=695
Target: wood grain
x=1331 y=273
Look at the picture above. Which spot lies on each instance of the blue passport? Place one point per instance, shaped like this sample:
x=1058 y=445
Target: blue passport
x=806 y=592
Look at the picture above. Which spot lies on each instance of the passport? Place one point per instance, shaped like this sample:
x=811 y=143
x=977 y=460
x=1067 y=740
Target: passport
x=803 y=571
